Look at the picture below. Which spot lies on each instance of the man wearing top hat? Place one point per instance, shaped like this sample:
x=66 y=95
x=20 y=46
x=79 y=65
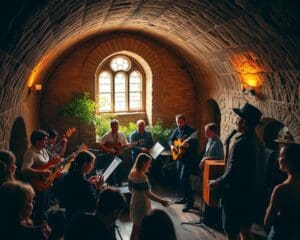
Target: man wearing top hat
x=238 y=185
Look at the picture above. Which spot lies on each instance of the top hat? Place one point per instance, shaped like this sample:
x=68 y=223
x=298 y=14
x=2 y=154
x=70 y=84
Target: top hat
x=250 y=113
x=284 y=136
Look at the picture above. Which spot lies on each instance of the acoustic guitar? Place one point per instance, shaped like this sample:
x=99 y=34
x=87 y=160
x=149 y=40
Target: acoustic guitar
x=56 y=166
x=178 y=151
x=119 y=148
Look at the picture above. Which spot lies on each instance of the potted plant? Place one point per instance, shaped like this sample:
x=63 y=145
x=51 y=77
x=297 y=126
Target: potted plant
x=82 y=108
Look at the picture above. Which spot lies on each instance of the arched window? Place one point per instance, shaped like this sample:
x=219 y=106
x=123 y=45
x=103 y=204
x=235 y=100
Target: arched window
x=120 y=85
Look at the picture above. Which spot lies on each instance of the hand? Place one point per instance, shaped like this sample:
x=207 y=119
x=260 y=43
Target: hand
x=144 y=150
x=201 y=164
x=185 y=145
x=46 y=230
x=112 y=150
x=165 y=203
x=173 y=149
x=99 y=182
x=64 y=140
x=45 y=173
x=212 y=184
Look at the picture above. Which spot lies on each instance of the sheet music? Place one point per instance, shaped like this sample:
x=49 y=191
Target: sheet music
x=156 y=150
x=114 y=164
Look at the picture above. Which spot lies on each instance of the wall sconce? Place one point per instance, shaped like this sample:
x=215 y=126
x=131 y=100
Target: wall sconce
x=251 y=83
x=35 y=89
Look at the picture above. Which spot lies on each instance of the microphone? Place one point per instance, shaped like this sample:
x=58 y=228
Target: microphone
x=228 y=139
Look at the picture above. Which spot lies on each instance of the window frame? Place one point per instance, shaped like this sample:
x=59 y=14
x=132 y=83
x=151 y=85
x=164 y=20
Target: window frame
x=135 y=66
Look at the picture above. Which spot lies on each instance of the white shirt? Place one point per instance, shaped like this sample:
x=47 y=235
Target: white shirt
x=34 y=158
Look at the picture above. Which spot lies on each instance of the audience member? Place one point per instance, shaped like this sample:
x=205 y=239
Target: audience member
x=80 y=192
x=7 y=166
x=283 y=213
x=16 y=208
x=276 y=176
x=214 y=147
x=139 y=186
x=213 y=151
x=102 y=224
x=157 y=225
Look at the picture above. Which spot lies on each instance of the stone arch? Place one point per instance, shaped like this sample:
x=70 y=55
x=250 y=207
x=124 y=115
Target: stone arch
x=18 y=142
x=212 y=113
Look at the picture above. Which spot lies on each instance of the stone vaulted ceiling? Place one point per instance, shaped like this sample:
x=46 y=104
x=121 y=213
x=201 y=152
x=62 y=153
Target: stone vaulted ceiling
x=216 y=33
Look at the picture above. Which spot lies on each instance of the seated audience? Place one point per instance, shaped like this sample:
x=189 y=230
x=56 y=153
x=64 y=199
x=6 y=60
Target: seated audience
x=16 y=208
x=100 y=225
x=7 y=166
x=157 y=225
x=283 y=213
x=139 y=186
x=80 y=192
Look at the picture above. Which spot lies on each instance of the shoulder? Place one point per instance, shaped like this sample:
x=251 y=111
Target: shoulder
x=137 y=175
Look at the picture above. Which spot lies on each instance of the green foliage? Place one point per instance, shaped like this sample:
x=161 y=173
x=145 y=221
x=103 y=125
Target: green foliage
x=127 y=130
x=81 y=107
x=160 y=133
x=103 y=124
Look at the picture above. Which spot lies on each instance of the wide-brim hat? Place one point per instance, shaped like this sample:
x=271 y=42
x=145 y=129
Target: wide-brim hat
x=284 y=136
x=250 y=113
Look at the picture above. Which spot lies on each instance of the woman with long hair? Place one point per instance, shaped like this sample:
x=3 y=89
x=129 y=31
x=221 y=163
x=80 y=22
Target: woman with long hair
x=80 y=191
x=140 y=188
x=283 y=213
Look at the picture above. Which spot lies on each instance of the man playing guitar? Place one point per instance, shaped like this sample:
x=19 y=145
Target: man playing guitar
x=113 y=143
x=35 y=156
x=184 y=163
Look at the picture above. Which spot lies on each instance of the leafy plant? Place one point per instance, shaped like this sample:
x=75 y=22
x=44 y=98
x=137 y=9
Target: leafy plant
x=160 y=133
x=127 y=130
x=82 y=108
x=103 y=124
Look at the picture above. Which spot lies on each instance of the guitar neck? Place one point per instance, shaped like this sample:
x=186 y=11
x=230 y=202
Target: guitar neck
x=64 y=162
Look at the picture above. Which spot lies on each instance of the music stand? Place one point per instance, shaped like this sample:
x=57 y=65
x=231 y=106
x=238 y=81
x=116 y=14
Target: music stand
x=112 y=166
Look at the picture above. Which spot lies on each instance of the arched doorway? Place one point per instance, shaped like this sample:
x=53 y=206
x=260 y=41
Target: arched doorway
x=18 y=143
x=212 y=113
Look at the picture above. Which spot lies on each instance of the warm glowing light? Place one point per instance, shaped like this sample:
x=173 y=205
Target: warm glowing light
x=35 y=73
x=251 y=79
x=38 y=87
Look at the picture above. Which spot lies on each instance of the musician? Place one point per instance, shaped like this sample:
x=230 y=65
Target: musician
x=140 y=134
x=113 y=142
x=36 y=155
x=54 y=147
x=185 y=163
x=239 y=184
